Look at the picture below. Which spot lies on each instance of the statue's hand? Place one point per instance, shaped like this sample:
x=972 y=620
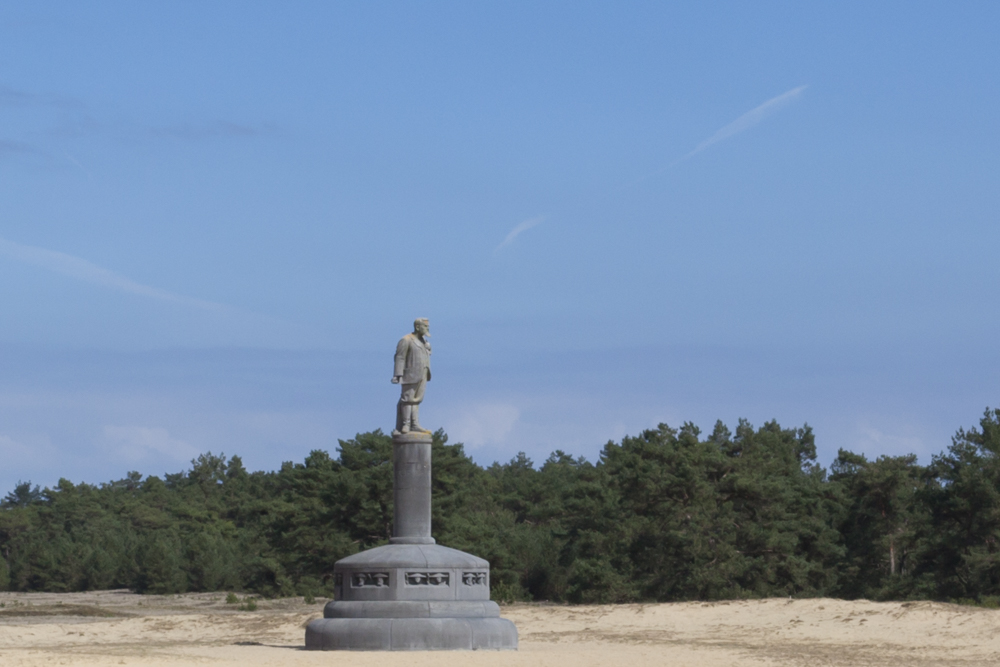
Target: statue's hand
x=396 y=379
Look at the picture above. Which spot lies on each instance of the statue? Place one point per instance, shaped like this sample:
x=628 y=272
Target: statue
x=412 y=370
x=411 y=594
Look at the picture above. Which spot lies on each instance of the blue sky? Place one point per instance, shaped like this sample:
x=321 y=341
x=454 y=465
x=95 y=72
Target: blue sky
x=216 y=219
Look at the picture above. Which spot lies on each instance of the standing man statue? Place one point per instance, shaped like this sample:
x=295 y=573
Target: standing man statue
x=411 y=594
x=412 y=370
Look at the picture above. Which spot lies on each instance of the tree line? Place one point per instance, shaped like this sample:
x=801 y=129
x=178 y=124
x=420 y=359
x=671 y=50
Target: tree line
x=669 y=514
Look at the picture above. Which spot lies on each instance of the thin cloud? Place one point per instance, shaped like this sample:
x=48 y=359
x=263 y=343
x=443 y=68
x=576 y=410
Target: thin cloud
x=13 y=451
x=137 y=442
x=81 y=269
x=11 y=97
x=70 y=117
x=521 y=228
x=748 y=120
x=8 y=147
x=484 y=424
x=214 y=130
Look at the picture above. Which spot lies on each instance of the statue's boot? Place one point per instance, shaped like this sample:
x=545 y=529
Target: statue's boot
x=415 y=420
x=403 y=416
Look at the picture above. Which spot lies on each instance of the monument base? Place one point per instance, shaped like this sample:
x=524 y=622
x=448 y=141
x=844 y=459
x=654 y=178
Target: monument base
x=411 y=597
x=411 y=634
x=411 y=594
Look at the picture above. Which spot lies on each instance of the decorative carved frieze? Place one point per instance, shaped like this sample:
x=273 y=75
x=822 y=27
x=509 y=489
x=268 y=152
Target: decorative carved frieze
x=427 y=578
x=474 y=578
x=366 y=579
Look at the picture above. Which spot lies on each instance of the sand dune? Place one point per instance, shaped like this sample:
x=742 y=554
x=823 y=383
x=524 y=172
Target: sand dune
x=120 y=628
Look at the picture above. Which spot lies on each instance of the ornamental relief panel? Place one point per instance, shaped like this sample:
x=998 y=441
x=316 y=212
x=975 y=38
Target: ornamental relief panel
x=474 y=578
x=370 y=579
x=427 y=578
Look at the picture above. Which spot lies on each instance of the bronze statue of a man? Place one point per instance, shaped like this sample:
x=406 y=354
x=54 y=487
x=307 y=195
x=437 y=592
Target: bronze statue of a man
x=412 y=370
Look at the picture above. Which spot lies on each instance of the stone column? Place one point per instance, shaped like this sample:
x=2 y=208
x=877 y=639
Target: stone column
x=411 y=522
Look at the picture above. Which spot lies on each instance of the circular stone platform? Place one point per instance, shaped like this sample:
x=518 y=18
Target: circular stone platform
x=411 y=634
x=411 y=597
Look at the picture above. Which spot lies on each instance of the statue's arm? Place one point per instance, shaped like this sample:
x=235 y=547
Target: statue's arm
x=399 y=365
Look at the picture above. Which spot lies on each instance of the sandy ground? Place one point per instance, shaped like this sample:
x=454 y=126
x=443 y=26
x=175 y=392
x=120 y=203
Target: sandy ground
x=120 y=628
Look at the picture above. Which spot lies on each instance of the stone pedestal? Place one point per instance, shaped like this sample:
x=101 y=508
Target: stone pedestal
x=411 y=594
x=411 y=489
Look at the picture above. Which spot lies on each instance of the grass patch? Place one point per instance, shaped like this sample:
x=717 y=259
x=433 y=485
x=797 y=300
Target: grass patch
x=59 y=610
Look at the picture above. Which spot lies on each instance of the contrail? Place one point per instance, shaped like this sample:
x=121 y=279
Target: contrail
x=748 y=120
x=522 y=227
x=81 y=269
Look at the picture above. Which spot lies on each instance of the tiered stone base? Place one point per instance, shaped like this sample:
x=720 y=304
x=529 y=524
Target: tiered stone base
x=411 y=634
x=411 y=597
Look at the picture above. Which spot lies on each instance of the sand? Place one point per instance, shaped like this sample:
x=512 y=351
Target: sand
x=121 y=628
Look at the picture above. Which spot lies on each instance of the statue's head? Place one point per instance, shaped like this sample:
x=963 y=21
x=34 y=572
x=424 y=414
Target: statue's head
x=421 y=326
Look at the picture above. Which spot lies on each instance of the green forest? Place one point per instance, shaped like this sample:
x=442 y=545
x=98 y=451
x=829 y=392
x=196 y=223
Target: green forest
x=670 y=514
